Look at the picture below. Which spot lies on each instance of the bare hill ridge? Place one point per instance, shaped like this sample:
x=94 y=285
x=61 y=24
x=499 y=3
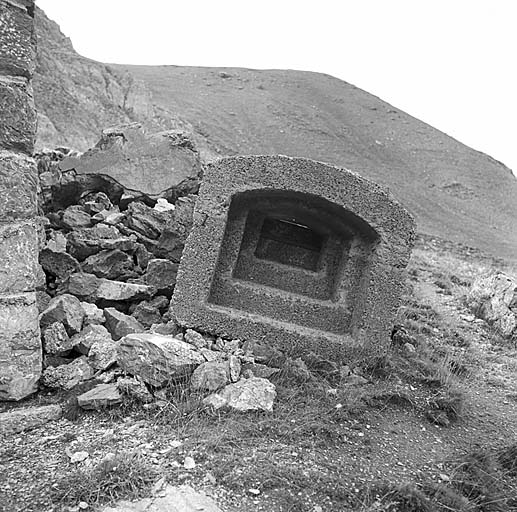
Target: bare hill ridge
x=454 y=192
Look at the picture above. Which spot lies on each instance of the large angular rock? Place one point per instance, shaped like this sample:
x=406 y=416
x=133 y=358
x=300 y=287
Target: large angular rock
x=161 y=274
x=109 y=264
x=494 y=299
x=57 y=263
x=56 y=340
x=90 y=335
x=67 y=376
x=246 y=395
x=150 y=164
x=120 y=324
x=65 y=309
x=101 y=396
x=82 y=243
x=20 y=346
x=156 y=359
x=27 y=418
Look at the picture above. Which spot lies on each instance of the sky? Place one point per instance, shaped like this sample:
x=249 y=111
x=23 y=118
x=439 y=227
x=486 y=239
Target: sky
x=450 y=63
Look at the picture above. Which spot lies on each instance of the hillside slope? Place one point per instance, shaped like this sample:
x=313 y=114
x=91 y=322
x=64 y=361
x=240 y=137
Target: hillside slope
x=454 y=191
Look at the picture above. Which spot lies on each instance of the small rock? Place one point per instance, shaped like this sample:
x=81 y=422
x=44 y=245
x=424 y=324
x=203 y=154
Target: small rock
x=410 y=349
x=109 y=264
x=103 y=354
x=78 y=457
x=58 y=264
x=155 y=358
x=162 y=205
x=103 y=395
x=234 y=368
x=260 y=370
x=120 y=325
x=88 y=336
x=65 y=309
x=75 y=217
x=246 y=395
x=170 y=328
x=56 y=340
x=147 y=314
x=161 y=274
x=135 y=388
x=189 y=463
x=20 y=420
x=94 y=315
x=67 y=376
x=210 y=376
x=194 y=338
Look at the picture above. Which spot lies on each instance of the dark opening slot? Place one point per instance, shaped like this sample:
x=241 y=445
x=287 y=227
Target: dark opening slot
x=289 y=243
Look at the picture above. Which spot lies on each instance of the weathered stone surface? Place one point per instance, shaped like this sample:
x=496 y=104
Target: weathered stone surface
x=67 y=376
x=161 y=274
x=27 y=418
x=20 y=346
x=90 y=335
x=251 y=394
x=94 y=315
x=147 y=221
x=134 y=388
x=295 y=251
x=494 y=299
x=43 y=300
x=171 y=499
x=149 y=164
x=18 y=186
x=16 y=50
x=210 y=376
x=65 y=309
x=59 y=264
x=103 y=354
x=75 y=217
x=147 y=313
x=56 y=340
x=18 y=120
x=19 y=269
x=195 y=338
x=120 y=324
x=101 y=396
x=156 y=359
x=109 y=264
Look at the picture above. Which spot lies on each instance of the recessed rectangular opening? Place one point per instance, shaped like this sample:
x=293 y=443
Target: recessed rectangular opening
x=289 y=243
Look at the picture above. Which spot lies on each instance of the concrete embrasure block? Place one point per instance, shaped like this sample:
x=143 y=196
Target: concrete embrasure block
x=20 y=346
x=16 y=27
x=18 y=187
x=18 y=118
x=294 y=253
x=19 y=267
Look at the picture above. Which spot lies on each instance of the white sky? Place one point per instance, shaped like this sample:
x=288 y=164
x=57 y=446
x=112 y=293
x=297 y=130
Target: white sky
x=450 y=63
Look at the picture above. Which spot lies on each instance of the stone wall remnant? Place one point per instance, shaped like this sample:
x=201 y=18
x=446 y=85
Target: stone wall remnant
x=20 y=346
x=294 y=253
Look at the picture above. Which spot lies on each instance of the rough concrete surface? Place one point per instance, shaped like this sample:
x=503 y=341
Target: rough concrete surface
x=294 y=252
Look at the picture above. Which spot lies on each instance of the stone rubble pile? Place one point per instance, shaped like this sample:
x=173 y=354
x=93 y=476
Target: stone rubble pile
x=110 y=261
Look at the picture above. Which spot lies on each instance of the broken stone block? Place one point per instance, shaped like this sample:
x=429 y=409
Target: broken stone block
x=251 y=394
x=120 y=325
x=170 y=160
x=75 y=217
x=18 y=186
x=65 y=309
x=90 y=335
x=134 y=388
x=18 y=258
x=102 y=354
x=20 y=346
x=101 y=396
x=161 y=274
x=56 y=340
x=109 y=264
x=156 y=359
x=210 y=376
x=494 y=299
x=94 y=315
x=27 y=418
x=195 y=338
x=59 y=264
x=67 y=376
x=145 y=220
